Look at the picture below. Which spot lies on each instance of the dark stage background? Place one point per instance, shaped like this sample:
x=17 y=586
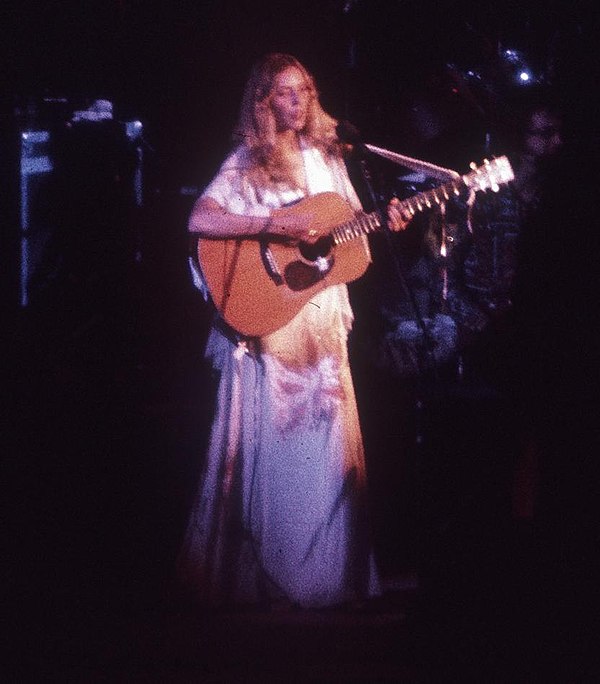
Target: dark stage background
x=107 y=400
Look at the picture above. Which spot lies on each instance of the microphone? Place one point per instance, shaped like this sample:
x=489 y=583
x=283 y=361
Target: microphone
x=348 y=133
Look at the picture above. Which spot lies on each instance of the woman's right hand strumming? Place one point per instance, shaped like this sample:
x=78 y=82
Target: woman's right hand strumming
x=209 y=220
x=290 y=227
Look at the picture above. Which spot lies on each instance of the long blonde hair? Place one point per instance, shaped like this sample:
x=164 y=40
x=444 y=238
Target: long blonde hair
x=256 y=124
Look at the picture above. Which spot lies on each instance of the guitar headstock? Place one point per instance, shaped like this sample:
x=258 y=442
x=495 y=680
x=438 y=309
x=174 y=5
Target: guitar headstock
x=490 y=175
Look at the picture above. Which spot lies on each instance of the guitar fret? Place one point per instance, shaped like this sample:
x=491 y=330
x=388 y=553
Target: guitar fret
x=362 y=224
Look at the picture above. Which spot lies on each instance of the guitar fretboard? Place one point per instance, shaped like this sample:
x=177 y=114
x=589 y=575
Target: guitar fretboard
x=489 y=175
x=426 y=199
x=363 y=224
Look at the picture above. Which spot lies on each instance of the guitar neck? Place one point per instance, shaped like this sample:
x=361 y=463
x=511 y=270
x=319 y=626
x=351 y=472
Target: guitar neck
x=364 y=224
x=490 y=175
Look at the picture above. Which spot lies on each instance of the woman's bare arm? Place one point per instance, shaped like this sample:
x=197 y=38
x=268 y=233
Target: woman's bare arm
x=210 y=220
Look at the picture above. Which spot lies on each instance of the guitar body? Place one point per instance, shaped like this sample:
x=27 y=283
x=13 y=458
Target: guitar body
x=258 y=286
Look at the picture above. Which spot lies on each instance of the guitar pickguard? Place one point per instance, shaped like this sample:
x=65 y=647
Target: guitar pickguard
x=269 y=263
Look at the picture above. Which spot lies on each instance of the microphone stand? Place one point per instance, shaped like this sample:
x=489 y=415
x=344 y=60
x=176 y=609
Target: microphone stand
x=424 y=350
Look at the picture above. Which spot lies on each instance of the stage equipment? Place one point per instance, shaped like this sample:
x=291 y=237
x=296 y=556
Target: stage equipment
x=349 y=133
x=35 y=221
x=428 y=341
x=56 y=162
x=429 y=169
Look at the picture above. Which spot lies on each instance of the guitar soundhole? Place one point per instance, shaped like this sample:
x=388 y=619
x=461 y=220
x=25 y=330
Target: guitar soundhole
x=311 y=251
x=300 y=275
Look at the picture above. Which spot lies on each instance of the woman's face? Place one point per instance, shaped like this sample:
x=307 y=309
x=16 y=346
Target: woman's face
x=289 y=100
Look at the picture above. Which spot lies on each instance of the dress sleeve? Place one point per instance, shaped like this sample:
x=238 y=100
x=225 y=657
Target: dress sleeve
x=232 y=190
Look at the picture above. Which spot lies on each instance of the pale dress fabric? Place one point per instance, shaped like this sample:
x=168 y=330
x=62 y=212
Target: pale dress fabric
x=281 y=510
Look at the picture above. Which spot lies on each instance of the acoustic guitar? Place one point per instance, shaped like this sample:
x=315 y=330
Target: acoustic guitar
x=259 y=285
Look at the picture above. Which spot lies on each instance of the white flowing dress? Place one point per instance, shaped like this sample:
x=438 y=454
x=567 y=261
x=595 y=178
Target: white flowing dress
x=281 y=510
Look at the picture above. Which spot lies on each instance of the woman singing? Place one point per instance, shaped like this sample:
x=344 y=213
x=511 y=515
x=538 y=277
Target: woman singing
x=281 y=511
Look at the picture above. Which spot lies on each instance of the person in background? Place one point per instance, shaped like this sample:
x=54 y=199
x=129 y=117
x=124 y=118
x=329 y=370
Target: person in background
x=532 y=140
x=498 y=271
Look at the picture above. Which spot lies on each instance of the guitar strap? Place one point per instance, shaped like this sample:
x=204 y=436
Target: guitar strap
x=224 y=328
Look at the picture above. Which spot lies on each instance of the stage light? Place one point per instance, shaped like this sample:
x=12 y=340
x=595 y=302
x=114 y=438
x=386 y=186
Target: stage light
x=512 y=55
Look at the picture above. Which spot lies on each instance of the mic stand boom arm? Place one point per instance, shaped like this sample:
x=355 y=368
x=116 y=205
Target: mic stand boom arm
x=427 y=168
